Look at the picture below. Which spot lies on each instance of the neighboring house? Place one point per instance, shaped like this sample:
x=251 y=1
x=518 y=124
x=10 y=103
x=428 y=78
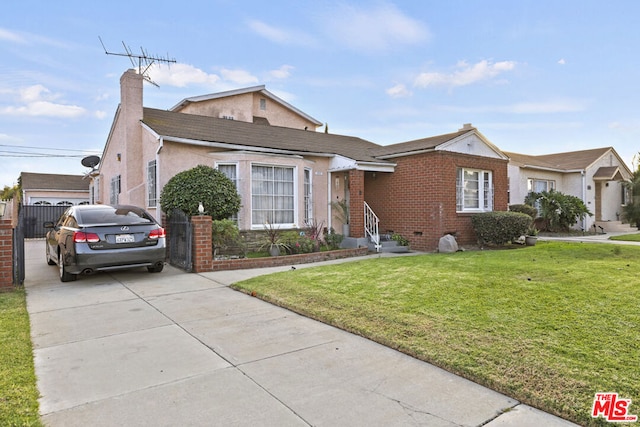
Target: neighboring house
x=595 y=176
x=289 y=176
x=53 y=189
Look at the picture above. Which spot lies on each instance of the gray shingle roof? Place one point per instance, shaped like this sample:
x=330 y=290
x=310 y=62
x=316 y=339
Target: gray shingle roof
x=418 y=144
x=45 y=181
x=572 y=160
x=211 y=129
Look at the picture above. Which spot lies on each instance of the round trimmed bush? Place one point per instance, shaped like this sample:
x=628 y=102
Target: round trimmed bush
x=202 y=184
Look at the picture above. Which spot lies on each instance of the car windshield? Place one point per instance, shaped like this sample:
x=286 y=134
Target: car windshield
x=112 y=216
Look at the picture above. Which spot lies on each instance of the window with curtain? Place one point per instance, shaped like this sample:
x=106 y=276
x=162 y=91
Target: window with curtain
x=308 y=200
x=230 y=171
x=272 y=195
x=474 y=190
x=152 y=196
x=115 y=190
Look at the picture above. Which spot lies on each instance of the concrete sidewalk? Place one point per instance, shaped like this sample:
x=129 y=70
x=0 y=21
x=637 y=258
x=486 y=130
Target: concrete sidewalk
x=173 y=349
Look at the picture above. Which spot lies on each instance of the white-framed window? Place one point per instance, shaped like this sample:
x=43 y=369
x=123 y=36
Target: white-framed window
x=152 y=189
x=95 y=190
x=538 y=185
x=474 y=190
x=272 y=195
x=230 y=170
x=114 y=196
x=308 y=197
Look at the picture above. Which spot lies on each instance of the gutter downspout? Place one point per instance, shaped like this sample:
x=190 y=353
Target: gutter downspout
x=160 y=146
x=584 y=198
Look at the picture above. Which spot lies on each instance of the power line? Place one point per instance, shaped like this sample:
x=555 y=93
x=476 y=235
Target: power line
x=49 y=148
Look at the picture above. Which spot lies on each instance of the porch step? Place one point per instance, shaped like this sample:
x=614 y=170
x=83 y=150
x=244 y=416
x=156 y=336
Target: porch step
x=389 y=246
x=614 y=227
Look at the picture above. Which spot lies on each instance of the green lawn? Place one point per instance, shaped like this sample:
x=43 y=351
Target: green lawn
x=18 y=392
x=549 y=325
x=627 y=237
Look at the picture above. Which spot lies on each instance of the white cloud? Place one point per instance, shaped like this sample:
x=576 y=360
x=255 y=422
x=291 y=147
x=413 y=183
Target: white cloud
x=238 y=76
x=398 y=91
x=465 y=74
x=562 y=61
x=280 y=35
x=542 y=107
x=281 y=73
x=10 y=36
x=374 y=28
x=45 y=109
x=37 y=100
x=181 y=75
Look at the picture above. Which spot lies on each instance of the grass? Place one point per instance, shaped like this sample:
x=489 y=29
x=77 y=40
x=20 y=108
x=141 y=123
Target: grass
x=18 y=392
x=549 y=325
x=627 y=237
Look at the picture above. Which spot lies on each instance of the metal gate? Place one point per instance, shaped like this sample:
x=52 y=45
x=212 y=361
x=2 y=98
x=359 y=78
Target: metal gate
x=179 y=240
x=36 y=215
x=18 y=249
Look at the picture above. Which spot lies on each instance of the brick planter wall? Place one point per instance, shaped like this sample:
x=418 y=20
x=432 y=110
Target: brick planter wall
x=6 y=255
x=202 y=245
x=243 y=263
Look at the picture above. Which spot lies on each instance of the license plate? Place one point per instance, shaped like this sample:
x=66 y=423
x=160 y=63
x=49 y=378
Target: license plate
x=125 y=238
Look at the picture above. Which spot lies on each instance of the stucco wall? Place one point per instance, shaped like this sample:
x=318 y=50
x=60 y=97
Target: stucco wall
x=244 y=107
x=176 y=157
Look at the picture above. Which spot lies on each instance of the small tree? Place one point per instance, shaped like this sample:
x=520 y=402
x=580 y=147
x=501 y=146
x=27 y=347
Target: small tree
x=202 y=184
x=631 y=210
x=559 y=211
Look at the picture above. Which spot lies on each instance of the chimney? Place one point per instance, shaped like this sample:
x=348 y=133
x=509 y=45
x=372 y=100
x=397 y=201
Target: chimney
x=466 y=126
x=130 y=117
x=131 y=95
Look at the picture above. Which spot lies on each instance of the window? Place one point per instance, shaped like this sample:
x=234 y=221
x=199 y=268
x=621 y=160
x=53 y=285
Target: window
x=231 y=172
x=539 y=185
x=308 y=200
x=114 y=196
x=263 y=104
x=152 y=193
x=474 y=190
x=272 y=195
x=95 y=190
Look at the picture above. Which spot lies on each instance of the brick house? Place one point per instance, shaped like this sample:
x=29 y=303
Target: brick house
x=288 y=174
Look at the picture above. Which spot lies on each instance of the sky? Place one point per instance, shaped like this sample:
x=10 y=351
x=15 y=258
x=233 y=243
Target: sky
x=535 y=77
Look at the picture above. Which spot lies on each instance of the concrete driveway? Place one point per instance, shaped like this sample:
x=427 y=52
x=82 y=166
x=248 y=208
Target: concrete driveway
x=175 y=349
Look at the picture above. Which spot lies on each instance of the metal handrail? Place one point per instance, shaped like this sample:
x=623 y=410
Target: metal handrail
x=371 y=226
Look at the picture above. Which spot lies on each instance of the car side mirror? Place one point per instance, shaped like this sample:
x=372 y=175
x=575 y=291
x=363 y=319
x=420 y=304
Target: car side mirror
x=49 y=224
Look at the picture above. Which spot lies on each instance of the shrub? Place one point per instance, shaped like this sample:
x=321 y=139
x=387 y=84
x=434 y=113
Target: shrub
x=202 y=184
x=560 y=211
x=333 y=239
x=499 y=228
x=525 y=209
x=224 y=233
x=298 y=242
x=402 y=241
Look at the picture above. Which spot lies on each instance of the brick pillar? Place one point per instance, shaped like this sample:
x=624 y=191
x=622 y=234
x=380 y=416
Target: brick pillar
x=202 y=245
x=6 y=255
x=356 y=203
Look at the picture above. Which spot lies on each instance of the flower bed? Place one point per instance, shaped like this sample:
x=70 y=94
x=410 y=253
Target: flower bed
x=246 y=263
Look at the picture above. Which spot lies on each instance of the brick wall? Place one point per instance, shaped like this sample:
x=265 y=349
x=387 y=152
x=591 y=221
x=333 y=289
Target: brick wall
x=6 y=255
x=202 y=245
x=418 y=200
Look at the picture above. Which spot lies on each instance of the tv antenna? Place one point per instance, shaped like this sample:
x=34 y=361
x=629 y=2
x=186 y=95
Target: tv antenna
x=145 y=61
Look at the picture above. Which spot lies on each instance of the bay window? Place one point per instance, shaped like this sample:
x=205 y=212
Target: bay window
x=272 y=195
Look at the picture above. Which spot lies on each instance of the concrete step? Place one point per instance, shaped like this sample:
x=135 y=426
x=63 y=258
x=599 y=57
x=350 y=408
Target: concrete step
x=389 y=246
x=614 y=227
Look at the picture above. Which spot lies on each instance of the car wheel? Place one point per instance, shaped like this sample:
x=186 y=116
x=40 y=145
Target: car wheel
x=49 y=260
x=157 y=268
x=64 y=275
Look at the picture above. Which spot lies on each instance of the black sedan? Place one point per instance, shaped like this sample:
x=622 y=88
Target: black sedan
x=90 y=238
